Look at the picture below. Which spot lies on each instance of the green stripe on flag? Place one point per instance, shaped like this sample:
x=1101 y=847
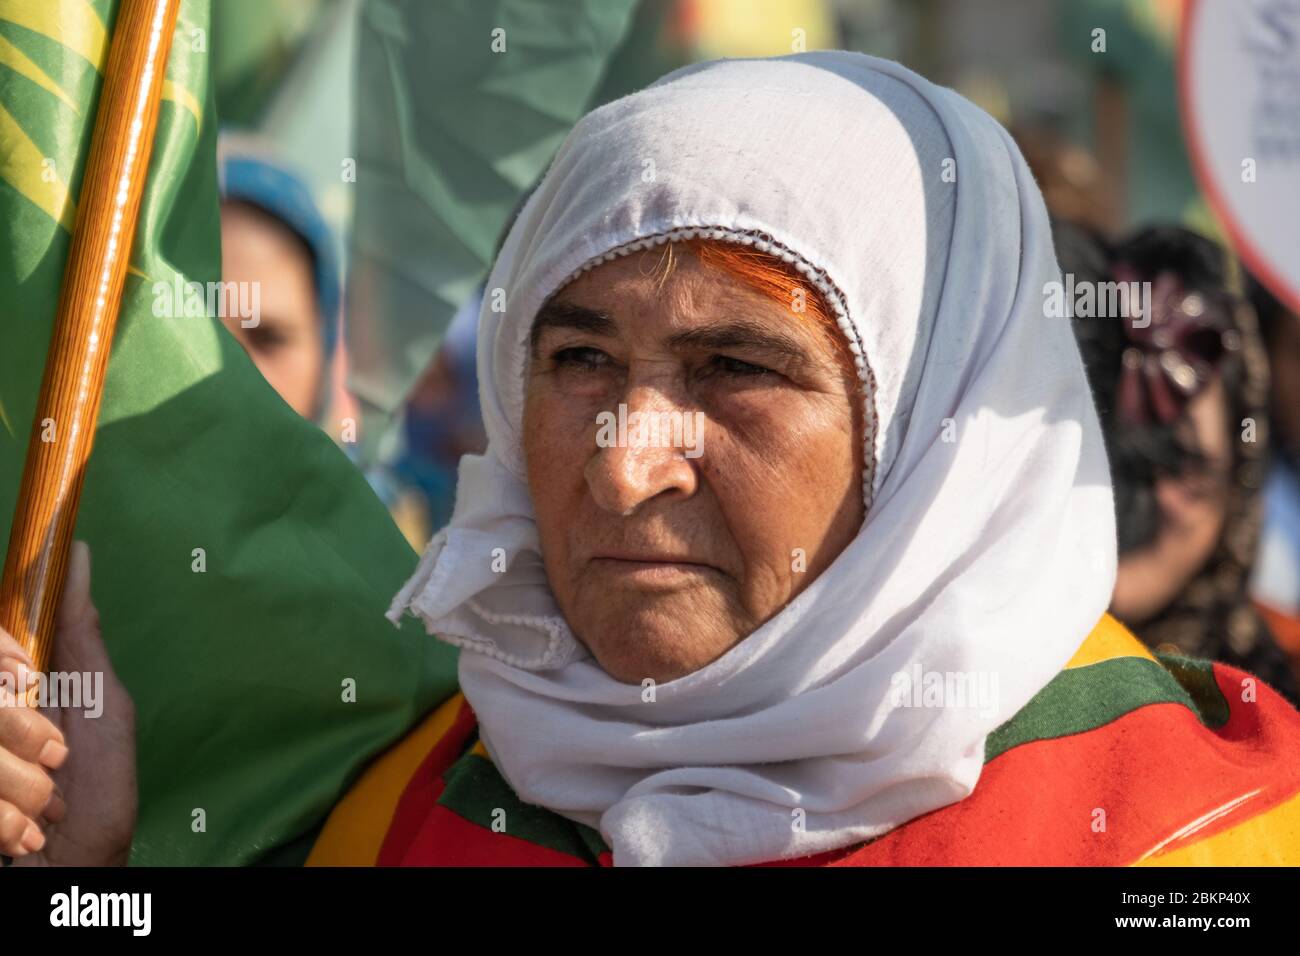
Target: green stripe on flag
x=1085 y=698
x=1197 y=678
x=476 y=791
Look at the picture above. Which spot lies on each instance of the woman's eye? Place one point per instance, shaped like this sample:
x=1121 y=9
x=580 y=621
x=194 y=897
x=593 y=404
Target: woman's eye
x=734 y=366
x=581 y=357
x=265 y=337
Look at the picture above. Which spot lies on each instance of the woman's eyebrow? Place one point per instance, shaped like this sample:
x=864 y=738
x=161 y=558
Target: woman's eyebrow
x=566 y=315
x=738 y=335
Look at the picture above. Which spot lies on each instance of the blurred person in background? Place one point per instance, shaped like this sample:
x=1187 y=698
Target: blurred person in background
x=440 y=422
x=442 y=418
x=272 y=234
x=1183 y=405
x=1067 y=174
x=1276 y=584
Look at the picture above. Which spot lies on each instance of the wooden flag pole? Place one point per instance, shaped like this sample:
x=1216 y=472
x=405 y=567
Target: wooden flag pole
x=89 y=300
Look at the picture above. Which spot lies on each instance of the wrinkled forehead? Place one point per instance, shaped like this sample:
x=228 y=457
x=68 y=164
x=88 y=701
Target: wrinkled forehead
x=822 y=167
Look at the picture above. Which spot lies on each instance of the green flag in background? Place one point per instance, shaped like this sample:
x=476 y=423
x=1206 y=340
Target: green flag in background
x=241 y=565
x=461 y=105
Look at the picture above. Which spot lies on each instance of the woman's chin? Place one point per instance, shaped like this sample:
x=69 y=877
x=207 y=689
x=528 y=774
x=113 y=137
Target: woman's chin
x=660 y=637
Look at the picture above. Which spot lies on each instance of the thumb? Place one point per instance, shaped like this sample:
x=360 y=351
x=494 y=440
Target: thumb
x=79 y=649
x=78 y=645
x=76 y=606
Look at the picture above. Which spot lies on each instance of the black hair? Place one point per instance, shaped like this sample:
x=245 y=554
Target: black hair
x=1197 y=261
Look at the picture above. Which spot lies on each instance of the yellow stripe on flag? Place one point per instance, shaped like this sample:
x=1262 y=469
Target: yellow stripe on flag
x=354 y=833
x=23 y=167
x=1109 y=639
x=17 y=61
x=1271 y=838
x=183 y=98
x=70 y=23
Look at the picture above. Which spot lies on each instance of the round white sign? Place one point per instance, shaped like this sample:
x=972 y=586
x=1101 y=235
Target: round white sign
x=1239 y=86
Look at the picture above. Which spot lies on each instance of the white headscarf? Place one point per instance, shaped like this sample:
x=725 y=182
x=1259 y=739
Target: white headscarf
x=988 y=548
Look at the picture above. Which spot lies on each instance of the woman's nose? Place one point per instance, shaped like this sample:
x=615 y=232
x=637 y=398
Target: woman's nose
x=645 y=448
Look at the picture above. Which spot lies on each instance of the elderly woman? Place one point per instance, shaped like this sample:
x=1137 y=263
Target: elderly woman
x=794 y=536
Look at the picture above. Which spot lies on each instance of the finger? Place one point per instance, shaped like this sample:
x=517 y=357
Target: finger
x=16 y=675
x=30 y=736
x=78 y=644
x=19 y=834
x=9 y=647
x=26 y=785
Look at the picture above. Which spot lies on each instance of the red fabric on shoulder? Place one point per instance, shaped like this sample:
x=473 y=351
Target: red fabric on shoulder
x=421 y=794
x=1144 y=777
x=446 y=838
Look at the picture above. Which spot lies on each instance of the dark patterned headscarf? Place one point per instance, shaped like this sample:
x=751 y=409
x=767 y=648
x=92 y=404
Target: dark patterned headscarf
x=1143 y=376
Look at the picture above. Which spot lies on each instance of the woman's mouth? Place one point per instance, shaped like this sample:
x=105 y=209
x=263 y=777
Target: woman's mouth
x=652 y=570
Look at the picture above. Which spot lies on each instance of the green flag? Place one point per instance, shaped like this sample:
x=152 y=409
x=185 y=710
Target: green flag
x=241 y=564
x=461 y=106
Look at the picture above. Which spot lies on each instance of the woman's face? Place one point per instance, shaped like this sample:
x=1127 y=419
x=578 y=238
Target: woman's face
x=664 y=552
x=284 y=340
